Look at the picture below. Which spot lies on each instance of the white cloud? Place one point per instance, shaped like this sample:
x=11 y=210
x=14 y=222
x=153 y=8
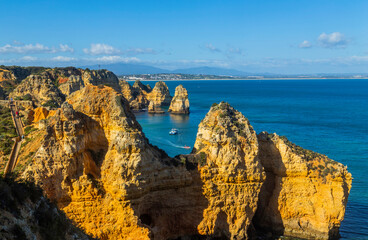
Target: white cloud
x=65 y=48
x=305 y=44
x=62 y=59
x=115 y=59
x=20 y=48
x=333 y=40
x=101 y=49
x=135 y=51
x=28 y=59
x=212 y=48
x=28 y=48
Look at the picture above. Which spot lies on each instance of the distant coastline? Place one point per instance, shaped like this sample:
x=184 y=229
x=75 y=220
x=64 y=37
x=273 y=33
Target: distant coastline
x=211 y=77
x=243 y=79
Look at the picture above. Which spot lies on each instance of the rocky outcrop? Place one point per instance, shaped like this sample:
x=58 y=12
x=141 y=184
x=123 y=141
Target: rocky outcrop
x=126 y=90
x=140 y=87
x=231 y=172
x=40 y=89
x=39 y=114
x=160 y=95
x=71 y=84
x=100 y=77
x=142 y=96
x=26 y=214
x=140 y=92
x=11 y=76
x=16 y=74
x=50 y=87
x=94 y=161
x=305 y=193
x=136 y=95
x=180 y=103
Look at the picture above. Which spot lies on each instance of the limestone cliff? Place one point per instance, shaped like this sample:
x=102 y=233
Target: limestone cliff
x=39 y=114
x=136 y=95
x=140 y=92
x=142 y=96
x=305 y=193
x=94 y=161
x=40 y=89
x=126 y=90
x=49 y=87
x=180 y=103
x=100 y=77
x=139 y=86
x=231 y=172
x=16 y=74
x=160 y=95
x=11 y=76
x=26 y=214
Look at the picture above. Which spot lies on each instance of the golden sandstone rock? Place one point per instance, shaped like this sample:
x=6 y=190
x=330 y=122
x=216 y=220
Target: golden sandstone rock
x=160 y=95
x=50 y=86
x=96 y=164
x=305 y=193
x=41 y=113
x=180 y=103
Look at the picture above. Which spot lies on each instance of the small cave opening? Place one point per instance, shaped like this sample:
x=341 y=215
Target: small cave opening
x=146 y=219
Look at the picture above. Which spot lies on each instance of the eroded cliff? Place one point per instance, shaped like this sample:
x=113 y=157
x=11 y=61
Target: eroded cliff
x=93 y=159
x=49 y=87
x=160 y=95
x=26 y=214
x=180 y=103
x=305 y=193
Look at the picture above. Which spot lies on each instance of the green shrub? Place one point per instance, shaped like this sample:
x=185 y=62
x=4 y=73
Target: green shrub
x=7 y=131
x=51 y=104
x=28 y=130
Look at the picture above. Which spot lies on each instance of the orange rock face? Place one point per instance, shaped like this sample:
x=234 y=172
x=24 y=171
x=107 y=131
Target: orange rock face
x=96 y=163
x=305 y=193
x=180 y=103
x=41 y=113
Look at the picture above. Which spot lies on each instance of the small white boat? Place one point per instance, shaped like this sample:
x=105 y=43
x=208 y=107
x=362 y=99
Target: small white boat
x=174 y=131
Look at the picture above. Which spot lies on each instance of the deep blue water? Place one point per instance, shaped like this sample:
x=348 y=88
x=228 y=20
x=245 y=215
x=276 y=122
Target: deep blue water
x=326 y=116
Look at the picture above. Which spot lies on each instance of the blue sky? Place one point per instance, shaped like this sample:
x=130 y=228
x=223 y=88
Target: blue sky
x=284 y=36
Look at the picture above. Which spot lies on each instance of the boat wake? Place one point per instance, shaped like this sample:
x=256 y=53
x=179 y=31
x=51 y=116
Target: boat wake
x=166 y=142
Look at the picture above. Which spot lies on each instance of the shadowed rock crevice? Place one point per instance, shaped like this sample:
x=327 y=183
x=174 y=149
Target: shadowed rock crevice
x=264 y=223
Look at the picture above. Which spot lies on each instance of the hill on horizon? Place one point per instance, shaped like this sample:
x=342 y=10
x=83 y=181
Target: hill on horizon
x=130 y=69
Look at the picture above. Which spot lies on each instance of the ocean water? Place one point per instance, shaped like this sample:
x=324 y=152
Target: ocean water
x=326 y=116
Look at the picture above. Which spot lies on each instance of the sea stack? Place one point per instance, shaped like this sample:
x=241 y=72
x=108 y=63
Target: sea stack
x=180 y=102
x=160 y=95
x=139 y=91
x=153 y=109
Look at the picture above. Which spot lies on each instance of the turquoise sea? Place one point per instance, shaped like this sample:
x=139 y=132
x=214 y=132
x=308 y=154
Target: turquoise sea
x=326 y=116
